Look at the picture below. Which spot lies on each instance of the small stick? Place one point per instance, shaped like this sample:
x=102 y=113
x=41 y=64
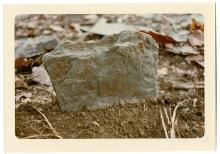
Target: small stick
x=172 y=131
x=79 y=133
x=45 y=118
x=41 y=136
x=168 y=119
x=177 y=128
x=47 y=121
x=145 y=109
x=164 y=126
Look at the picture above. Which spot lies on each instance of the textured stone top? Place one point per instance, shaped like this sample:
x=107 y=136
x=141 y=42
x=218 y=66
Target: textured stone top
x=98 y=74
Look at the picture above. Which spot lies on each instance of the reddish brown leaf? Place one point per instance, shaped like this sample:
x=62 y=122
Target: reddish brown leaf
x=162 y=39
x=22 y=63
x=195 y=25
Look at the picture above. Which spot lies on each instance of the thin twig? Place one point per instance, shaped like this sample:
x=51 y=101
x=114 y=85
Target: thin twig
x=75 y=136
x=145 y=109
x=165 y=111
x=46 y=120
x=163 y=123
x=177 y=128
x=172 y=130
x=41 y=136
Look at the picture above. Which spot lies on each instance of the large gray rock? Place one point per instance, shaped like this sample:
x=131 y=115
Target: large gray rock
x=97 y=74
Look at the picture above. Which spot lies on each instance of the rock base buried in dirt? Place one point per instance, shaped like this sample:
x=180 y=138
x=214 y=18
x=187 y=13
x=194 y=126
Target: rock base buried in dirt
x=97 y=74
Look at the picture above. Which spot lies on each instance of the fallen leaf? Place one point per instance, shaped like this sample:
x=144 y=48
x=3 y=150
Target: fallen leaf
x=103 y=28
x=160 y=38
x=32 y=25
x=201 y=63
x=39 y=74
x=47 y=32
x=196 y=38
x=90 y=17
x=19 y=83
x=42 y=100
x=96 y=123
x=75 y=27
x=199 y=59
x=162 y=71
x=195 y=25
x=182 y=50
x=23 y=95
x=26 y=100
x=188 y=85
x=185 y=72
x=180 y=35
x=22 y=64
x=56 y=28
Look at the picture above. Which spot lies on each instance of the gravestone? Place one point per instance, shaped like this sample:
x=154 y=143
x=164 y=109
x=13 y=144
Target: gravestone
x=97 y=74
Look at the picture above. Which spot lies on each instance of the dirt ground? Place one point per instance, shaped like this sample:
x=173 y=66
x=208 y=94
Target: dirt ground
x=179 y=104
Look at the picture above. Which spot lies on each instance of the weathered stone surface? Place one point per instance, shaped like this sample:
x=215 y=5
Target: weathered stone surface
x=97 y=74
x=30 y=47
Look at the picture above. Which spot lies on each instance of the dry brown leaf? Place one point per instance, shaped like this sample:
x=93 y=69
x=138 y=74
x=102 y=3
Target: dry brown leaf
x=195 y=25
x=185 y=72
x=199 y=59
x=56 y=28
x=32 y=25
x=96 y=123
x=188 y=85
x=162 y=71
x=161 y=39
x=47 y=32
x=25 y=64
x=196 y=38
x=22 y=63
x=75 y=26
x=23 y=95
x=90 y=17
x=19 y=83
x=182 y=50
x=201 y=63
x=40 y=75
